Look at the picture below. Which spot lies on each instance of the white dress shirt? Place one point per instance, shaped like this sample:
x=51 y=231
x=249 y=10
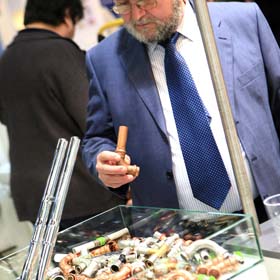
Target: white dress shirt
x=190 y=46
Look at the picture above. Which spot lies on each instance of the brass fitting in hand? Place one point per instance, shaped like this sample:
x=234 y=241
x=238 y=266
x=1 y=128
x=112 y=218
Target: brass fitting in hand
x=121 y=150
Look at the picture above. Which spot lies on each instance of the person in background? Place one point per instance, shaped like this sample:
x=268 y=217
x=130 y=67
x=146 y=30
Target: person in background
x=43 y=97
x=131 y=84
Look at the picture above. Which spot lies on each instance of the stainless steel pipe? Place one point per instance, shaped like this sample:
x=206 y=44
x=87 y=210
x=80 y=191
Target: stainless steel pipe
x=44 y=211
x=50 y=212
x=56 y=213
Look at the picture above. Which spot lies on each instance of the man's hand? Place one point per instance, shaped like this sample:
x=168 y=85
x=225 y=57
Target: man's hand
x=109 y=172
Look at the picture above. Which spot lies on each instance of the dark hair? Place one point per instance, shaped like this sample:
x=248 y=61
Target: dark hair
x=52 y=11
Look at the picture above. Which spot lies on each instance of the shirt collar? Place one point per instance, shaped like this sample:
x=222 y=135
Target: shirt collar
x=188 y=27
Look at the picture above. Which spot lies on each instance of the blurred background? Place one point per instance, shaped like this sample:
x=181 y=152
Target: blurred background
x=97 y=13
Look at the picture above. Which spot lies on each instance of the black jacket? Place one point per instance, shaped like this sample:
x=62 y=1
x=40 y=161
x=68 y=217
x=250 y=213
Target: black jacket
x=43 y=97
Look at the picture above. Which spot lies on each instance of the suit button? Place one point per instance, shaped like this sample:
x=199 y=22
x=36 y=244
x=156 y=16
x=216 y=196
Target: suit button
x=169 y=175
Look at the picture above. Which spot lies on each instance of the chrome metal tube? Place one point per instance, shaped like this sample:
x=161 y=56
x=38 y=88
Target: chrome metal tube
x=233 y=143
x=44 y=211
x=56 y=213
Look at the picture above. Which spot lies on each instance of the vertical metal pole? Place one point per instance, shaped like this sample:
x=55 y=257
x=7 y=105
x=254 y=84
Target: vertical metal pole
x=238 y=164
x=43 y=214
x=55 y=216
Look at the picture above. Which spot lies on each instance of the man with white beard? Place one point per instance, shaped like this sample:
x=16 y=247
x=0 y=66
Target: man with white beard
x=131 y=85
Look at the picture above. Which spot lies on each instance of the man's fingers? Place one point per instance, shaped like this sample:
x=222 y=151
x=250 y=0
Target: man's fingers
x=115 y=181
x=109 y=172
x=108 y=169
x=108 y=156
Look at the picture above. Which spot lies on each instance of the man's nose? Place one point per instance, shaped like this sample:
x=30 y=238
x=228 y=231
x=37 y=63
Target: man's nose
x=136 y=12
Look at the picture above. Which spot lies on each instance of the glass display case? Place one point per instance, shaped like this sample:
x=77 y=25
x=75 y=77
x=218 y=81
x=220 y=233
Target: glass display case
x=149 y=243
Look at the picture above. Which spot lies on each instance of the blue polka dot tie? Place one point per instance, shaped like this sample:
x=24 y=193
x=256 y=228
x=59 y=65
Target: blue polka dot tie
x=207 y=174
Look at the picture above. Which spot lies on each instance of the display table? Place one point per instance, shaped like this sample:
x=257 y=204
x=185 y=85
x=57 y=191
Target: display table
x=269 y=242
x=269 y=269
x=233 y=232
x=259 y=272
x=271 y=250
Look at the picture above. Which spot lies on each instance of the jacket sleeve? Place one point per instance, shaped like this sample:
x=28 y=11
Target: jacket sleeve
x=100 y=135
x=271 y=58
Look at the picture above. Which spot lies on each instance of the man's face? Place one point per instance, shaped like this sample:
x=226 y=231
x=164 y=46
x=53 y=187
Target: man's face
x=154 y=24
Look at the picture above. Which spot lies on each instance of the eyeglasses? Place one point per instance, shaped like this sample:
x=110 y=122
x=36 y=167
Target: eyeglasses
x=123 y=7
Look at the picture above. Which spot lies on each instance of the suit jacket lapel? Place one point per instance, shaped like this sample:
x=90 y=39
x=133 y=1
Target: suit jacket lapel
x=224 y=45
x=136 y=62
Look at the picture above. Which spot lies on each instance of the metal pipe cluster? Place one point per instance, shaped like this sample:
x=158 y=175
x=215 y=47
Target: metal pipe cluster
x=47 y=223
x=155 y=257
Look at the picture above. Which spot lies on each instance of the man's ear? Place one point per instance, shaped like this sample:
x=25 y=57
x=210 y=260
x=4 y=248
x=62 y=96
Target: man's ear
x=68 y=21
x=68 y=26
x=67 y=18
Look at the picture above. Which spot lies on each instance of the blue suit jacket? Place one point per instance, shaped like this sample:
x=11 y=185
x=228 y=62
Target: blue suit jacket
x=123 y=92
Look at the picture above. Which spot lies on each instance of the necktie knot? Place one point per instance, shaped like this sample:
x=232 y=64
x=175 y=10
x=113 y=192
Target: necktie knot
x=170 y=41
